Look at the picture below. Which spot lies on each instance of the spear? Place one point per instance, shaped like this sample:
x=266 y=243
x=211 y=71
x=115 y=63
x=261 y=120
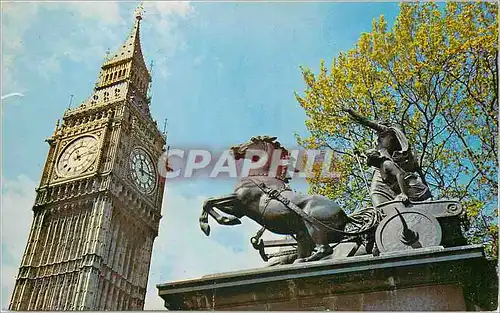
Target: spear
x=356 y=156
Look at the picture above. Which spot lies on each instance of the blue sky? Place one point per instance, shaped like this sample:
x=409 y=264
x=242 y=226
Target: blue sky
x=223 y=72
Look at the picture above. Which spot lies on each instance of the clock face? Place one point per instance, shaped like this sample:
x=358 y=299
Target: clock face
x=142 y=170
x=78 y=156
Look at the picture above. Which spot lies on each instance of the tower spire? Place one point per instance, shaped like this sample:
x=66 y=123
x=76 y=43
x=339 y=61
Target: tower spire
x=132 y=46
x=127 y=64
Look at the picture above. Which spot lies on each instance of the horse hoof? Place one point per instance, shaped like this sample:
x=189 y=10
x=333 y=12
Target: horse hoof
x=205 y=228
x=320 y=254
x=230 y=221
x=299 y=260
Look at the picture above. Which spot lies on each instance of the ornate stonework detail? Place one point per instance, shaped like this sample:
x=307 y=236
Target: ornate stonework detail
x=92 y=234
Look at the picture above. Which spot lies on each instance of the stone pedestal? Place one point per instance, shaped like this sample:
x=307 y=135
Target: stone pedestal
x=434 y=279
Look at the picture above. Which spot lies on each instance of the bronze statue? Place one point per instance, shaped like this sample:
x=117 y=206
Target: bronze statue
x=314 y=221
x=318 y=224
x=392 y=145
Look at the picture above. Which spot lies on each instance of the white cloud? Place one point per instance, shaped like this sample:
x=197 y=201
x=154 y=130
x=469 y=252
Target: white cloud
x=48 y=66
x=165 y=8
x=106 y=12
x=16 y=215
x=14 y=94
x=160 y=23
x=198 y=60
x=97 y=25
x=16 y=20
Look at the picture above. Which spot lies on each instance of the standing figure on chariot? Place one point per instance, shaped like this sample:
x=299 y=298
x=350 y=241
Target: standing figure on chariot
x=393 y=146
x=392 y=182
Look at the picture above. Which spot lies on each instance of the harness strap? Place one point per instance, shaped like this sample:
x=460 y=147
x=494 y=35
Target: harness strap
x=276 y=194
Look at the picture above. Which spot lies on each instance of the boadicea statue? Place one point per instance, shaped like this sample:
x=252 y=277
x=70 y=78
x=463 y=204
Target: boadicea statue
x=403 y=216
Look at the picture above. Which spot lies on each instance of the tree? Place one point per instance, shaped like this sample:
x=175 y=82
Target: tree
x=435 y=74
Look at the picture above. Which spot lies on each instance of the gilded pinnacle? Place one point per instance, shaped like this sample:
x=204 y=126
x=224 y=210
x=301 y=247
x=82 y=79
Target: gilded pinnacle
x=139 y=11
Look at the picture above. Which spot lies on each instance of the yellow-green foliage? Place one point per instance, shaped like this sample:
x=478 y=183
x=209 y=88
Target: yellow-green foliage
x=435 y=74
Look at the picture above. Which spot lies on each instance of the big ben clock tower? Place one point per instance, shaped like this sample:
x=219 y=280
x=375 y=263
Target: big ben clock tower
x=97 y=208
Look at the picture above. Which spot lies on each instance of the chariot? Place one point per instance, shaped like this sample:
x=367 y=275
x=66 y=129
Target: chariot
x=394 y=226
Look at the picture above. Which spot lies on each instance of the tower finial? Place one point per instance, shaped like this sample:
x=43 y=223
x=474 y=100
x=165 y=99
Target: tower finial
x=139 y=11
x=165 y=125
x=70 y=101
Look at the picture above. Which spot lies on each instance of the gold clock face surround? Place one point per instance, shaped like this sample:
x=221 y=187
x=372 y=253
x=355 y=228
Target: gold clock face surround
x=142 y=170
x=78 y=156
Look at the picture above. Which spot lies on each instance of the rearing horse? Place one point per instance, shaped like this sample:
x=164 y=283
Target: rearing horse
x=250 y=199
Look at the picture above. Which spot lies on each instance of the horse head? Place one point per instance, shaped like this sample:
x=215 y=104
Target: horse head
x=264 y=143
x=271 y=148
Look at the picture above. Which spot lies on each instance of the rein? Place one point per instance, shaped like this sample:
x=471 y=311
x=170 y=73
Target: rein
x=275 y=194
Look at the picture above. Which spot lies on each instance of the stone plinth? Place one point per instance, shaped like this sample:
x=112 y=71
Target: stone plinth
x=440 y=279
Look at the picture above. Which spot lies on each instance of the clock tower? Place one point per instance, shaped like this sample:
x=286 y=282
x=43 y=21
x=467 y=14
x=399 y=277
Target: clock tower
x=98 y=206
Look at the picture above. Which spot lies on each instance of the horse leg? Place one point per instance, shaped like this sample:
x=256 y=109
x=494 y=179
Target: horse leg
x=226 y=205
x=221 y=203
x=208 y=209
x=230 y=210
x=305 y=246
x=320 y=238
x=204 y=222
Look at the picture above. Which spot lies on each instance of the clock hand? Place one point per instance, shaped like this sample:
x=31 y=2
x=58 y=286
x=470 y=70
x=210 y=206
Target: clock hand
x=144 y=173
x=92 y=150
x=150 y=174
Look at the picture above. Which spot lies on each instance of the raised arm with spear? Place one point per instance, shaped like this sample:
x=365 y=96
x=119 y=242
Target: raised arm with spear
x=392 y=145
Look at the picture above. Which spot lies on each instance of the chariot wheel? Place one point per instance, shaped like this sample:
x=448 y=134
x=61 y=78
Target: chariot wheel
x=407 y=229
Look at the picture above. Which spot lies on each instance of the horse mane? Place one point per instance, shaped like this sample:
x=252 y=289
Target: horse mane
x=269 y=139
